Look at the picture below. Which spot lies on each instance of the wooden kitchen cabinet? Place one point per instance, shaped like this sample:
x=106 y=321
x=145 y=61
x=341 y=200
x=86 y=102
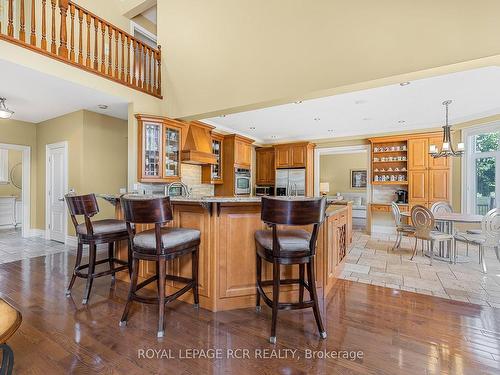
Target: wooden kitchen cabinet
x=213 y=174
x=439 y=185
x=437 y=162
x=265 y=173
x=159 y=149
x=299 y=156
x=418 y=153
x=294 y=155
x=282 y=155
x=243 y=152
x=418 y=186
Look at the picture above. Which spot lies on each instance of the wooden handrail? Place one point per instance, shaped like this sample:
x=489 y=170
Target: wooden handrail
x=92 y=44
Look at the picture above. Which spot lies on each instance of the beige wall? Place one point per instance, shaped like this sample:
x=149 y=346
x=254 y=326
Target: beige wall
x=15 y=157
x=97 y=152
x=227 y=55
x=23 y=133
x=335 y=169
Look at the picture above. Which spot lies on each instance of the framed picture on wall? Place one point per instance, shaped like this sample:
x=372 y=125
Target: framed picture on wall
x=358 y=178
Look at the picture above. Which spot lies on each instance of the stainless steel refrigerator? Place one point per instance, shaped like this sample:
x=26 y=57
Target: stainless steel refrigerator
x=291 y=182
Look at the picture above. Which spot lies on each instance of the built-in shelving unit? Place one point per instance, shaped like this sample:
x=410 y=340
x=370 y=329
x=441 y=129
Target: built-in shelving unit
x=389 y=162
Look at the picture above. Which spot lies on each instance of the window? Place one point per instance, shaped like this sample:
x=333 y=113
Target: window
x=482 y=181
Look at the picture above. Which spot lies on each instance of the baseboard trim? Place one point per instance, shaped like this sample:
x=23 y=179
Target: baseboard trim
x=71 y=241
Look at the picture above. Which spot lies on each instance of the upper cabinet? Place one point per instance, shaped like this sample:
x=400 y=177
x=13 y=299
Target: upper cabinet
x=418 y=153
x=159 y=145
x=212 y=174
x=293 y=155
x=264 y=160
x=243 y=152
x=437 y=163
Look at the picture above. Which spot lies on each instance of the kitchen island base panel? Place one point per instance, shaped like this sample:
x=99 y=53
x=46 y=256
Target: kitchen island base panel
x=227 y=253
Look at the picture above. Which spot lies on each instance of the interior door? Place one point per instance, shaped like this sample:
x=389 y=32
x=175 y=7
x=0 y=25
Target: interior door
x=56 y=188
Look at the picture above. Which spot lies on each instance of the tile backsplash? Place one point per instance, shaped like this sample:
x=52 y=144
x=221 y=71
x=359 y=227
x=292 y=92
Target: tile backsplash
x=191 y=176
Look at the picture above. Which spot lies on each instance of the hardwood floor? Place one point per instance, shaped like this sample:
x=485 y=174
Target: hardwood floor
x=398 y=332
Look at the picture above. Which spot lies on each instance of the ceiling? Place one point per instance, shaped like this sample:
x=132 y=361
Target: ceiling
x=150 y=14
x=36 y=97
x=475 y=94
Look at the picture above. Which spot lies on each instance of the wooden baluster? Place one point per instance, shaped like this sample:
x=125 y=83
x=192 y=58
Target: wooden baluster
x=128 y=59
x=103 y=48
x=10 y=22
x=53 y=47
x=122 y=70
x=43 y=42
x=110 y=50
x=63 y=30
x=154 y=88
x=116 y=55
x=144 y=82
x=158 y=85
x=88 y=62
x=80 y=37
x=150 y=57
x=134 y=56
x=33 y=24
x=22 y=24
x=72 y=47
x=96 y=47
x=139 y=63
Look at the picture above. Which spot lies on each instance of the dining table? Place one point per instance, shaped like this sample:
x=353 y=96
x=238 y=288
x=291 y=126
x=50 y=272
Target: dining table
x=446 y=222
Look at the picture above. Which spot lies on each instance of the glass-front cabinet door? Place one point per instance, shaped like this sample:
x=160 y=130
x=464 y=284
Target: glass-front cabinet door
x=217 y=151
x=172 y=152
x=151 y=150
x=159 y=158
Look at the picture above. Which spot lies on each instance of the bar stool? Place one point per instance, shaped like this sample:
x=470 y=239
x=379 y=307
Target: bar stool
x=10 y=320
x=292 y=246
x=93 y=233
x=159 y=244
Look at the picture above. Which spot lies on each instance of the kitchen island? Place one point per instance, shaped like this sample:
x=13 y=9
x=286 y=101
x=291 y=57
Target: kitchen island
x=227 y=251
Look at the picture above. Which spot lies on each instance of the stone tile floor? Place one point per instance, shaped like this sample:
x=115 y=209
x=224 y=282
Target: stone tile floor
x=372 y=261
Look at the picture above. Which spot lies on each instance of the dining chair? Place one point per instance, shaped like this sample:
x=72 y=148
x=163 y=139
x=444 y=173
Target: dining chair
x=442 y=207
x=425 y=225
x=402 y=229
x=488 y=237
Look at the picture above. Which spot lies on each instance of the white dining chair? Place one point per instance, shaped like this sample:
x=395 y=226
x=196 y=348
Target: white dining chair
x=402 y=229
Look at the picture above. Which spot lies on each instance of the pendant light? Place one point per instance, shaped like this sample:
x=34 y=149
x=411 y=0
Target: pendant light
x=5 y=113
x=447 y=147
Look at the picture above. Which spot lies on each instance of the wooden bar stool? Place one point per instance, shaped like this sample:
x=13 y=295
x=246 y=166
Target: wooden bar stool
x=92 y=233
x=159 y=244
x=295 y=246
x=10 y=320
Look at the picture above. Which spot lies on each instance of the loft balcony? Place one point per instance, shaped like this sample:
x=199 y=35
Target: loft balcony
x=69 y=33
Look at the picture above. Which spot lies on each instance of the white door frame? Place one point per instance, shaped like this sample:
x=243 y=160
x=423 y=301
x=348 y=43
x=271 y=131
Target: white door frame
x=343 y=150
x=26 y=186
x=64 y=145
x=468 y=168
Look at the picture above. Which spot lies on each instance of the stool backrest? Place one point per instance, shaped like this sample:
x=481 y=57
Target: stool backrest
x=306 y=211
x=490 y=227
x=441 y=208
x=146 y=209
x=423 y=220
x=82 y=205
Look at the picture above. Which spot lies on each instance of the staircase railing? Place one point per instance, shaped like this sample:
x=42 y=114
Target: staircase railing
x=65 y=31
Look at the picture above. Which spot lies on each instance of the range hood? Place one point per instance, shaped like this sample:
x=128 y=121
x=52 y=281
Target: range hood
x=198 y=146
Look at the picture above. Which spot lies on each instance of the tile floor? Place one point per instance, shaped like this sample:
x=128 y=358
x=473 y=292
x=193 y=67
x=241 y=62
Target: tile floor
x=372 y=261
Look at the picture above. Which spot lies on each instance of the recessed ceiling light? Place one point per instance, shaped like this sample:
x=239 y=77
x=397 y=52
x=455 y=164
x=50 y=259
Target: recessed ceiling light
x=102 y=106
x=330 y=130
x=317 y=119
x=361 y=101
x=252 y=127
x=274 y=136
x=222 y=116
x=298 y=102
x=401 y=121
x=404 y=83
x=366 y=119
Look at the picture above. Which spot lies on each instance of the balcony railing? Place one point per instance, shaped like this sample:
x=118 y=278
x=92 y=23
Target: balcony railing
x=65 y=31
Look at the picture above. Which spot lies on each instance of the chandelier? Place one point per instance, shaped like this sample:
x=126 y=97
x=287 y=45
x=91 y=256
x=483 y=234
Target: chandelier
x=447 y=147
x=5 y=113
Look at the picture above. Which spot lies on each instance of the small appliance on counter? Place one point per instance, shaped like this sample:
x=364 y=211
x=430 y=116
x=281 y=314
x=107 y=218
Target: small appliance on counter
x=402 y=196
x=242 y=181
x=261 y=191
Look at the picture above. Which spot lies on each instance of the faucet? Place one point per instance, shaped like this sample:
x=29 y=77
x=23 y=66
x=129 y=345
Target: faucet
x=182 y=185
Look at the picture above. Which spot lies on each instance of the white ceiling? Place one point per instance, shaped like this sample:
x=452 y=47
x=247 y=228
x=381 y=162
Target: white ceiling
x=36 y=97
x=150 y=14
x=475 y=93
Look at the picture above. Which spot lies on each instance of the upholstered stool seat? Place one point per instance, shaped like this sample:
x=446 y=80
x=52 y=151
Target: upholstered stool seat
x=106 y=226
x=293 y=243
x=10 y=320
x=172 y=240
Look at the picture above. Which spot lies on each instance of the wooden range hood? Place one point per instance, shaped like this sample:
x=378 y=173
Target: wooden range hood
x=198 y=146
